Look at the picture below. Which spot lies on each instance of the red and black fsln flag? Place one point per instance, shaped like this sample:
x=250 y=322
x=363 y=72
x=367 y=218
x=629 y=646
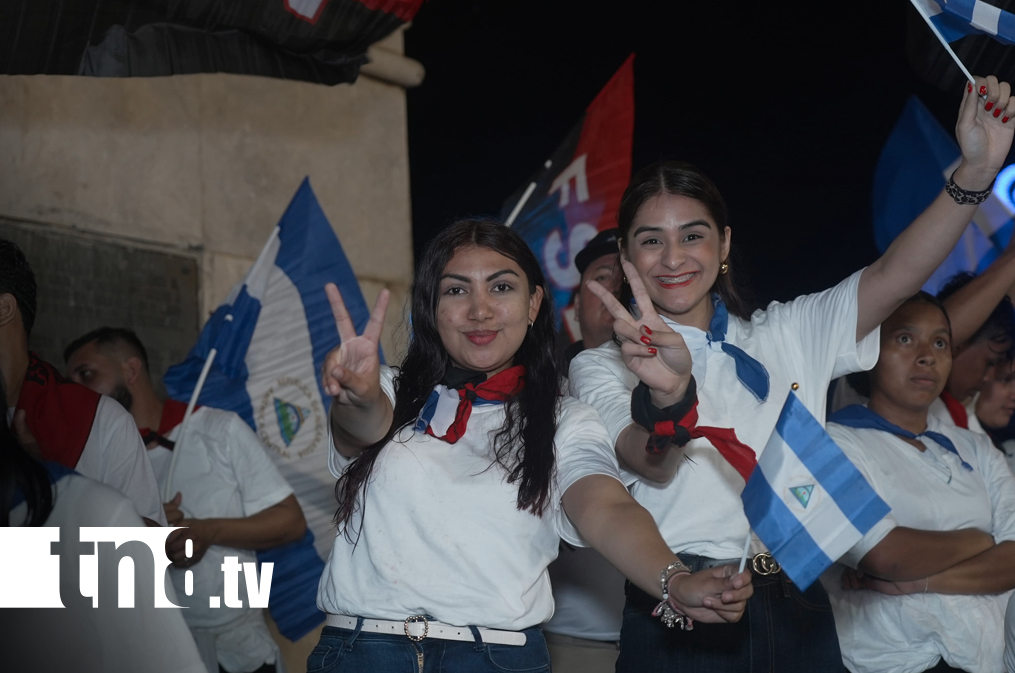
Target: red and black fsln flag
x=322 y=41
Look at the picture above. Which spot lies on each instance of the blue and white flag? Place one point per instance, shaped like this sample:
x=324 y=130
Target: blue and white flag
x=916 y=161
x=272 y=335
x=955 y=19
x=805 y=500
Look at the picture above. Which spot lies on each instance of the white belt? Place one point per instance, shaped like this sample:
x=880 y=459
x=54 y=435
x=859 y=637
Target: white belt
x=418 y=627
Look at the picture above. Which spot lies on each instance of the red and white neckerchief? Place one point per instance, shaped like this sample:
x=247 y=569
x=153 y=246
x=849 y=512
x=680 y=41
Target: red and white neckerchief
x=446 y=412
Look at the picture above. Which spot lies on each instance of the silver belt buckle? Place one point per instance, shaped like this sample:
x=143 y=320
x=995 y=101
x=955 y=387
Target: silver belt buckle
x=415 y=619
x=764 y=564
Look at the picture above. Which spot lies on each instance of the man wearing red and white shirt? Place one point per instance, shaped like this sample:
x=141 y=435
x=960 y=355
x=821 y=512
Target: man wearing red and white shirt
x=74 y=426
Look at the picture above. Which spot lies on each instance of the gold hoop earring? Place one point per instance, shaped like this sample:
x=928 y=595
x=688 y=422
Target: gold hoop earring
x=724 y=269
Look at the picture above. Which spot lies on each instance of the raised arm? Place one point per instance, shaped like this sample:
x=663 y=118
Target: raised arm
x=907 y=264
x=973 y=303
x=626 y=535
x=360 y=411
x=659 y=357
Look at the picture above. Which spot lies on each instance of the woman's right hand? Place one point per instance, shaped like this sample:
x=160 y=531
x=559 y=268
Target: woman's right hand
x=655 y=353
x=352 y=372
x=713 y=595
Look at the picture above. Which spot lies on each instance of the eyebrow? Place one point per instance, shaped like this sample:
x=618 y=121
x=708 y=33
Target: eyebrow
x=492 y=276
x=686 y=225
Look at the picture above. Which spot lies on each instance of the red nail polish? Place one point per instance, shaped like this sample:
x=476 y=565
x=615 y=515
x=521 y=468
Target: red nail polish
x=983 y=91
x=645 y=340
x=989 y=105
x=1004 y=120
x=647 y=330
x=970 y=88
x=651 y=351
x=997 y=112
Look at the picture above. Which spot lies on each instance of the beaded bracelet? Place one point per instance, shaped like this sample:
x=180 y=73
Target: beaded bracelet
x=669 y=615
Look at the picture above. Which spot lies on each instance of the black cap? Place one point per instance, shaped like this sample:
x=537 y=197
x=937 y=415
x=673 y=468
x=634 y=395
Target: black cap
x=604 y=243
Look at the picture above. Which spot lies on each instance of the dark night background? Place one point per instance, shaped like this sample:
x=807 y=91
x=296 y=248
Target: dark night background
x=785 y=105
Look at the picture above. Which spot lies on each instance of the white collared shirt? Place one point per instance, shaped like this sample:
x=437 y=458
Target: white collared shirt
x=807 y=341
x=441 y=531
x=928 y=490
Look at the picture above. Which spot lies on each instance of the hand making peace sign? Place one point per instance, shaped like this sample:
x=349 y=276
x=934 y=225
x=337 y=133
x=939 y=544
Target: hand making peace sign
x=653 y=351
x=352 y=371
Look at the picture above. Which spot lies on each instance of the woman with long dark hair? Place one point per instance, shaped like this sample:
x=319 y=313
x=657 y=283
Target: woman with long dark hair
x=695 y=355
x=460 y=472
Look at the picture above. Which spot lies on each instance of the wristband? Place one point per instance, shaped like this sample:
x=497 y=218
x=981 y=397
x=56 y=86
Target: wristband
x=965 y=197
x=663 y=425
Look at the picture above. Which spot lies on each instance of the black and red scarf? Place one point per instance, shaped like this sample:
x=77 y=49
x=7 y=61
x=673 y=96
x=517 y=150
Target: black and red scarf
x=445 y=415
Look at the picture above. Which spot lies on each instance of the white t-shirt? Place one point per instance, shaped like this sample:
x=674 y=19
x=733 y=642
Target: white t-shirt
x=442 y=534
x=939 y=410
x=115 y=455
x=808 y=341
x=927 y=490
x=223 y=472
x=89 y=640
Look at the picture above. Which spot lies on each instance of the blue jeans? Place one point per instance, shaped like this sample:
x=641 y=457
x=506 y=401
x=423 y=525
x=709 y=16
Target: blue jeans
x=352 y=651
x=782 y=631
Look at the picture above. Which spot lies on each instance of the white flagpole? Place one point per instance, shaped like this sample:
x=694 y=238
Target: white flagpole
x=168 y=490
x=186 y=418
x=747 y=550
x=944 y=43
x=525 y=198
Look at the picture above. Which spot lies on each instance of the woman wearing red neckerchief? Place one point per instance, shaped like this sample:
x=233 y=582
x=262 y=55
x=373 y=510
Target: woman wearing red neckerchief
x=460 y=472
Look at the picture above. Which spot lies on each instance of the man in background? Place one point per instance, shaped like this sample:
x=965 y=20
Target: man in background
x=598 y=261
x=227 y=491
x=74 y=426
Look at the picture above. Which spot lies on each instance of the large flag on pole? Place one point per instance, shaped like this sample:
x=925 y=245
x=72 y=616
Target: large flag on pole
x=916 y=161
x=271 y=336
x=805 y=500
x=323 y=41
x=577 y=192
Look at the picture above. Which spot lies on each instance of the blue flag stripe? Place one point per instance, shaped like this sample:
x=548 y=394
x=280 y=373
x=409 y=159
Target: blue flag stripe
x=830 y=466
x=783 y=534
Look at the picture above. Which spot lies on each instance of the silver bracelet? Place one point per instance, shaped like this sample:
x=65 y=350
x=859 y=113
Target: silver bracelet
x=965 y=197
x=666 y=613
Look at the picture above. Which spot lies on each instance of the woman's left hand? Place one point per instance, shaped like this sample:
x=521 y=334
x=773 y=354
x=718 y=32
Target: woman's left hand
x=984 y=130
x=853 y=579
x=712 y=596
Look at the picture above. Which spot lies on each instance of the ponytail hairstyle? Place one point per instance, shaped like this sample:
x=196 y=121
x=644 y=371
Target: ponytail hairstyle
x=679 y=178
x=523 y=448
x=20 y=472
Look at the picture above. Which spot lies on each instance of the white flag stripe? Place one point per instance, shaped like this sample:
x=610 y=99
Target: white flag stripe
x=825 y=522
x=444 y=414
x=986 y=17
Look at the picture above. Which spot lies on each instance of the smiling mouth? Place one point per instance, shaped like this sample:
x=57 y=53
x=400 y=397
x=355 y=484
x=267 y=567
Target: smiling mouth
x=481 y=337
x=676 y=281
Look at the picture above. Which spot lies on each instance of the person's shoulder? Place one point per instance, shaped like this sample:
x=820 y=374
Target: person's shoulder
x=604 y=355
x=82 y=501
x=576 y=418
x=851 y=439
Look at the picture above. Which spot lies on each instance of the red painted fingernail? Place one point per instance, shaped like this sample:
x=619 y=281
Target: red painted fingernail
x=970 y=88
x=645 y=340
x=1004 y=120
x=983 y=91
x=647 y=330
x=651 y=351
x=989 y=105
x=997 y=112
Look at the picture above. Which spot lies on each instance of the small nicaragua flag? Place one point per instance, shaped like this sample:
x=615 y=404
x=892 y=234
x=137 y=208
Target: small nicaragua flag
x=805 y=500
x=955 y=19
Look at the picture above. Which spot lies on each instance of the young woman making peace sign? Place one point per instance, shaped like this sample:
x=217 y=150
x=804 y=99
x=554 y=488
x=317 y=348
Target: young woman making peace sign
x=460 y=473
x=676 y=245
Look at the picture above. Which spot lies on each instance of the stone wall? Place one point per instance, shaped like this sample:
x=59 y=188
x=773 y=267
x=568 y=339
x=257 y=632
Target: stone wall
x=202 y=166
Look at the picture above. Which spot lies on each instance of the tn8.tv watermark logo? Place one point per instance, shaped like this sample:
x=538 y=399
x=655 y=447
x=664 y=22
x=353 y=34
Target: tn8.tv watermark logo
x=73 y=567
